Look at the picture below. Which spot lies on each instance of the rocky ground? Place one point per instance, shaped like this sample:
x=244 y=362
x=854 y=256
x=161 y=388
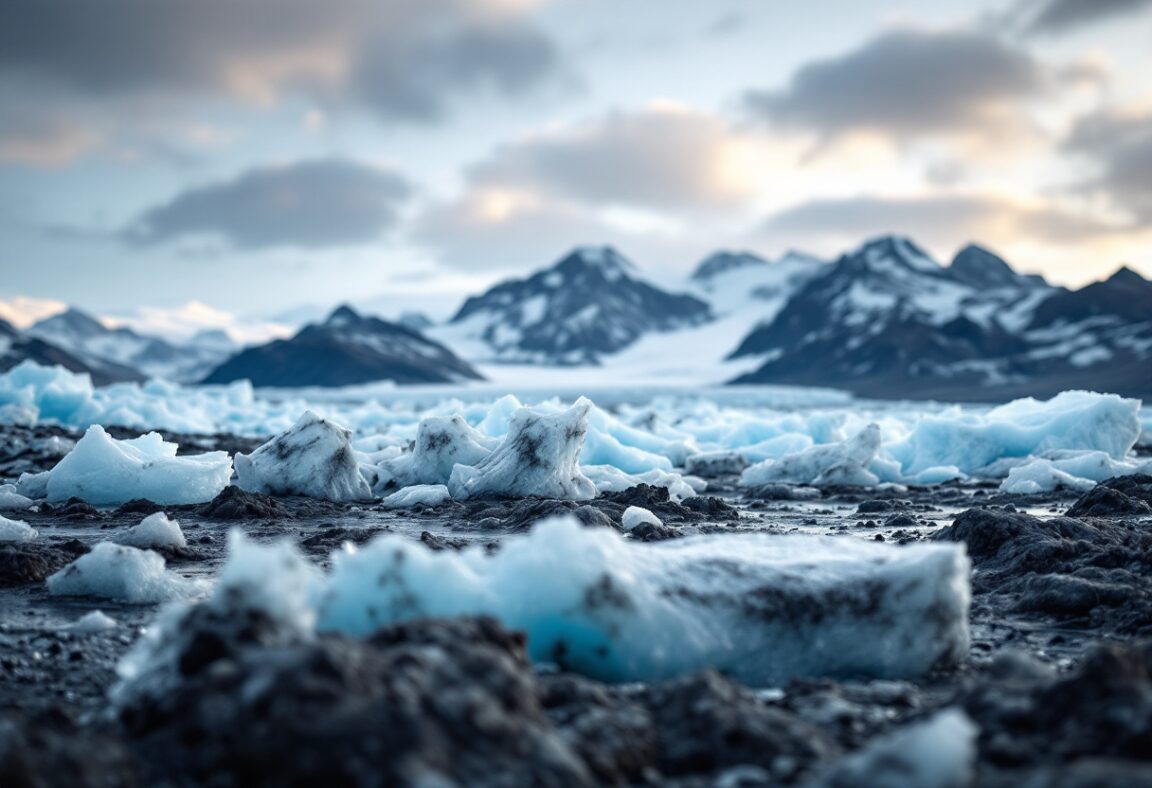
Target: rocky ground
x=1058 y=682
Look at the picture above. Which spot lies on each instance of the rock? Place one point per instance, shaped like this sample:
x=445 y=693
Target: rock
x=428 y=702
x=1119 y=496
x=50 y=749
x=22 y=563
x=233 y=503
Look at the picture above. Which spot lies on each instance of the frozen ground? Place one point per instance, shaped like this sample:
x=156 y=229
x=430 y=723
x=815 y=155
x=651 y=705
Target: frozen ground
x=753 y=587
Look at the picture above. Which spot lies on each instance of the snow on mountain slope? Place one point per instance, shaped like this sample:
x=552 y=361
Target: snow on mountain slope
x=102 y=347
x=589 y=305
x=346 y=349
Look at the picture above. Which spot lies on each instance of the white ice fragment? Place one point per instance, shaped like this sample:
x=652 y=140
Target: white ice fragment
x=610 y=479
x=539 y=456
x=125 y=574
x=1071 y=470
x=92 y=623
x=762 y=608
x=108 y=472
x=417 y=495
x=441 y=444
x=154 y=531
x=33 y=485
x=16 y=530
x=937 y=753
x=314 y=458
x=837 y=463
x=11 y=499
x=638 y=515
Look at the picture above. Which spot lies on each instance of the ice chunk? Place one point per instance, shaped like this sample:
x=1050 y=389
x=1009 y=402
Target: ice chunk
x=92 y=623
x=417 y=495
x=837 y=463
x=154 y=531
x=16 y=531
x=11 y=499
x=638 y=515
x=314 y=458
x=761 y=608
x=539 y=456
x=107 y=472
x=1071 y=470
x=113 y=571
x=937 y=753
x=33 y=485
x=441 y=444
x=971 y=441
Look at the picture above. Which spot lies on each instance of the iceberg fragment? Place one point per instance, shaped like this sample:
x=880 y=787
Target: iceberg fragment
x=638 y=515
x=125 y=574
x=539 y=456
x=11 y=499
x=441 y=444
x=154 y=531
x=836 y=463
x=761 y=608
x=1071 y=470
x=107 y=472
x=314 y=458
x=16 y=531
x=417 y=495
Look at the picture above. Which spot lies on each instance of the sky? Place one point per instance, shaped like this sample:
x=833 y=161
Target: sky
x=196 y=159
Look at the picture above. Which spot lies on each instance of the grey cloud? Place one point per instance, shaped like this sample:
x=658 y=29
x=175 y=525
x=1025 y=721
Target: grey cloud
x=1120 y=145
x=1060 y=16
x=906 y=83
x=318 y=203
x=405 y=59
x=659 y=158
x=946 y=220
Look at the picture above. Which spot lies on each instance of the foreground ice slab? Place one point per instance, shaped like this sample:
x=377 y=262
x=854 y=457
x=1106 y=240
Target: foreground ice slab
x=125 y=574
x=106 y=472
x=314 y=459
x=837 y=463
x=539 y=456
x=760 y=608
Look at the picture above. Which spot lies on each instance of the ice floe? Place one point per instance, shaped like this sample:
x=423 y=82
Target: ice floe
x=16 y=531
x=154 y=531
x=11 y=499
x=761 y=608
x=1070 y=470
x=107 y=472
x=839 y=463
x=417 y=495
x=314 y=458
x=124 y=574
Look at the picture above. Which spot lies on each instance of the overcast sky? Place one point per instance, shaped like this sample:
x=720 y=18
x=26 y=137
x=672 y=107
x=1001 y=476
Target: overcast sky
x=262 y=155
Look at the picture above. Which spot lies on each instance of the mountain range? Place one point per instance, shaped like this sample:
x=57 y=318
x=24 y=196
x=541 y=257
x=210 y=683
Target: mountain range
x=884 y=320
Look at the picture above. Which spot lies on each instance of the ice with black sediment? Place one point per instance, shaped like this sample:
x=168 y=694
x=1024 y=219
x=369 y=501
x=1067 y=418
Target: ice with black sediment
x=314 y=459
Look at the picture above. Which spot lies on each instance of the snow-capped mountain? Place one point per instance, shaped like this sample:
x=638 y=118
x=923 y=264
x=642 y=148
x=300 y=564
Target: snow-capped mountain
x=888 y=320
x=16 y=347
x=590 y=304
x=101 y=347
x=734 y=281
x=346 y=349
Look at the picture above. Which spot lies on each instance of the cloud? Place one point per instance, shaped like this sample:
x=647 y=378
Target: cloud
x=405 y=60
x=316 y=203
x=944 y=221
x=1119 y=144
x=663 y=157
x=1061 y=16
x=906 y=84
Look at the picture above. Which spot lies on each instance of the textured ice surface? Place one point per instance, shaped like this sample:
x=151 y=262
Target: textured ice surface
x=1071 y=470
x=417 y=494
x=92 y=623
x=638 y=515
x=760 y=608
x=441 y=443
x=107 y=472
x=11 y=499
x=609 y=479
x=972 y=441
x=155 y=530
x=939 y=752
x=125 y=574
x=16 y=530
x=314 y=458
x=838 y=463
x=538 y=456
